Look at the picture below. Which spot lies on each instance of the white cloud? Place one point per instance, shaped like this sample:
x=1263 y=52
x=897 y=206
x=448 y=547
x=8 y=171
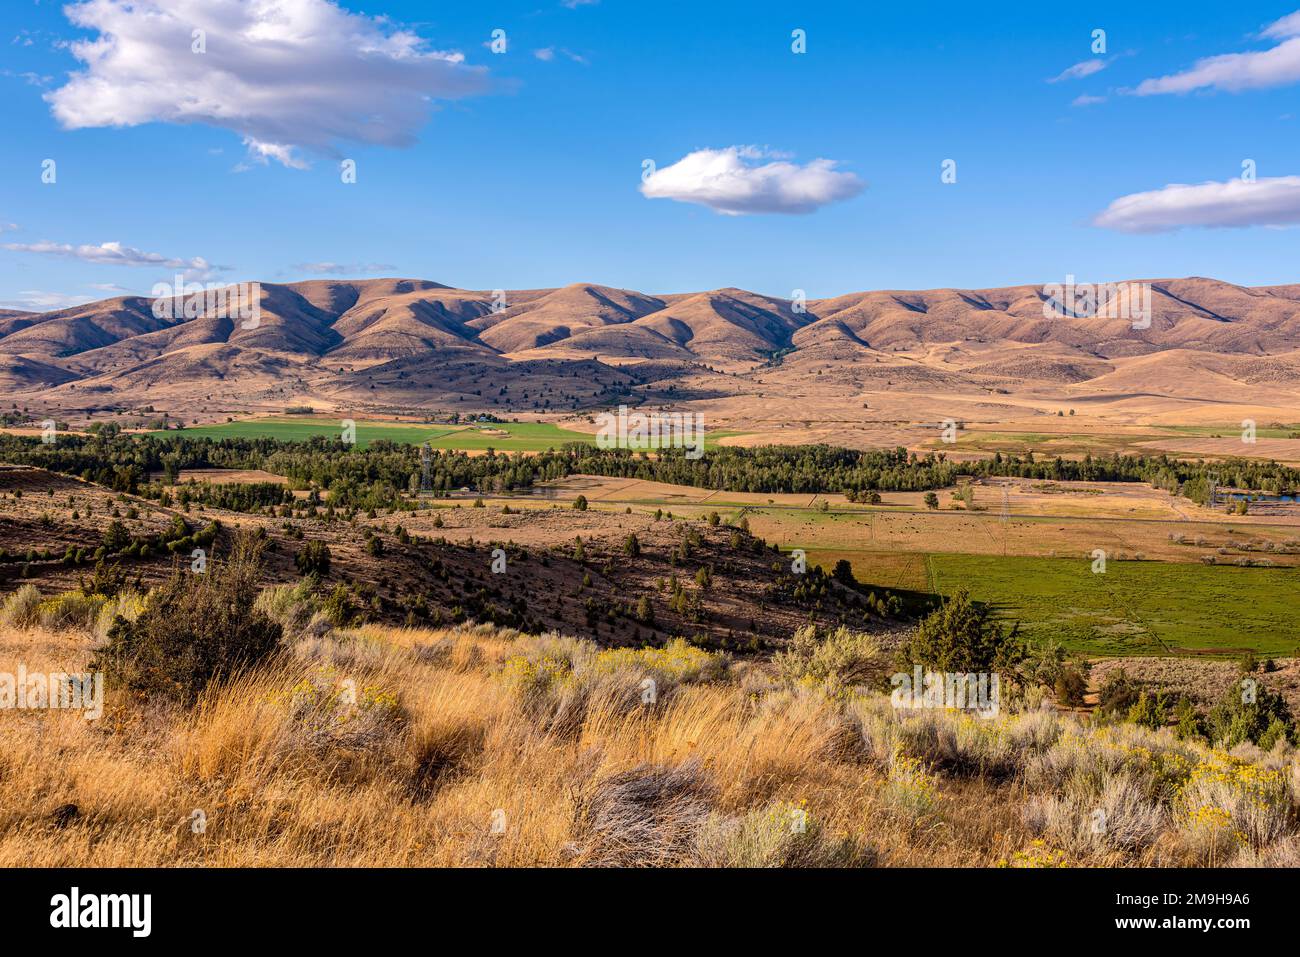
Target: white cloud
x=1234 y=72
x=1288 y=26
x=1080 y=70
x=8 y=227
x=732 y=181
x=1086 y=100
x=548 y=54
x=38 y=300
x=344 y=269
x=115 y=254
x=1266 y=202
x=284 y=74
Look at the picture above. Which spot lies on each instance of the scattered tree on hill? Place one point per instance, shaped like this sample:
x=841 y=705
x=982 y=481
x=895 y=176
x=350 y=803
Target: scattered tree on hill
x=313 y=559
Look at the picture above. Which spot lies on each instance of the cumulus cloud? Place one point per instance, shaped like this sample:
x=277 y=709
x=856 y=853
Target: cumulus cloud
x=735 y=181
x=116 y=254
x=1268 y=201
x=1080 y=70
x=286 y=75
x=1234 y=72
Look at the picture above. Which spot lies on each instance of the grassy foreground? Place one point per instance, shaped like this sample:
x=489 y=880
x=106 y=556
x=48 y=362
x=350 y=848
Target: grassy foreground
x=480 y=746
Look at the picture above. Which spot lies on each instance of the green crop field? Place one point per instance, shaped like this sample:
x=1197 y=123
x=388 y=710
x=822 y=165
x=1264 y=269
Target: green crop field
x=522 y=437
x=1134 y=607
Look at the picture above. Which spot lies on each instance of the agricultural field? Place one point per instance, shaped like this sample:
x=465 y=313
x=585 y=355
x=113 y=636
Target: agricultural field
x=1134 y=608
x=1029 y=555
x=502 y=436
x=1278 y=442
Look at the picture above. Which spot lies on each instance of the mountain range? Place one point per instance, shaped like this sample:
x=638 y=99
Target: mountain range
x=420 y=343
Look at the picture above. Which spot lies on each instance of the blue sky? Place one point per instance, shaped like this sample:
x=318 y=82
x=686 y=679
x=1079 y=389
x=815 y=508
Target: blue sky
x=528 y=172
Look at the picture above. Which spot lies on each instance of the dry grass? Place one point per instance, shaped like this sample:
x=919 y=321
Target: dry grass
x=477 y=746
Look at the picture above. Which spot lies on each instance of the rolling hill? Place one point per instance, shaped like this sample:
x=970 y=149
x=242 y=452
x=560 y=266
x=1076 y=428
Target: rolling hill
x=418 y=343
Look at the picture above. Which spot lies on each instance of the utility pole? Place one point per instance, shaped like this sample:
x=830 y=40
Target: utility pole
x=1006 y=513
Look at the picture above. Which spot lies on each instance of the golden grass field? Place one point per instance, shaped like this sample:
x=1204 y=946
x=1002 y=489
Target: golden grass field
x=480 y=747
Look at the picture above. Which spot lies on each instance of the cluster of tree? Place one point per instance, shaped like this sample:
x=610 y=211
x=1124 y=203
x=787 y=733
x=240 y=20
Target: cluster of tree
x=379 y=475
x=1246 y=712
x=233 y=496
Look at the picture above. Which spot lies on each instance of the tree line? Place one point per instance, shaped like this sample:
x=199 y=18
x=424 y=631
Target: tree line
x=383 y=474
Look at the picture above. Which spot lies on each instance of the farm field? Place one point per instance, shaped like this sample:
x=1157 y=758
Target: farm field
x=1134 y=608
x=501 y=436
x=1156 y=598
x=1183 y=441
x=504 y=436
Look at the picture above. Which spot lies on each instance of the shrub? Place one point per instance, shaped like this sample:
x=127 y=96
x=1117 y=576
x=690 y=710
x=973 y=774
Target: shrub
x=838 y=658
x=21 y=609
x=646 y=816
x=313 y=559
x=1235 y=718
x=1120 y=816
x=843 y=572
x=960 y=637
x=910 y=789
x=783 y=834
x=116 y=537
x=194 y=630
x=1151 y=710
x=675 y=663
x=105 y=579
x=1224 y=794
x=339 y=608
x=1070 y=687
x=1118 y=694
x=293 y=606
x=71 y=610
x=128 y=604
x=1188 y=726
